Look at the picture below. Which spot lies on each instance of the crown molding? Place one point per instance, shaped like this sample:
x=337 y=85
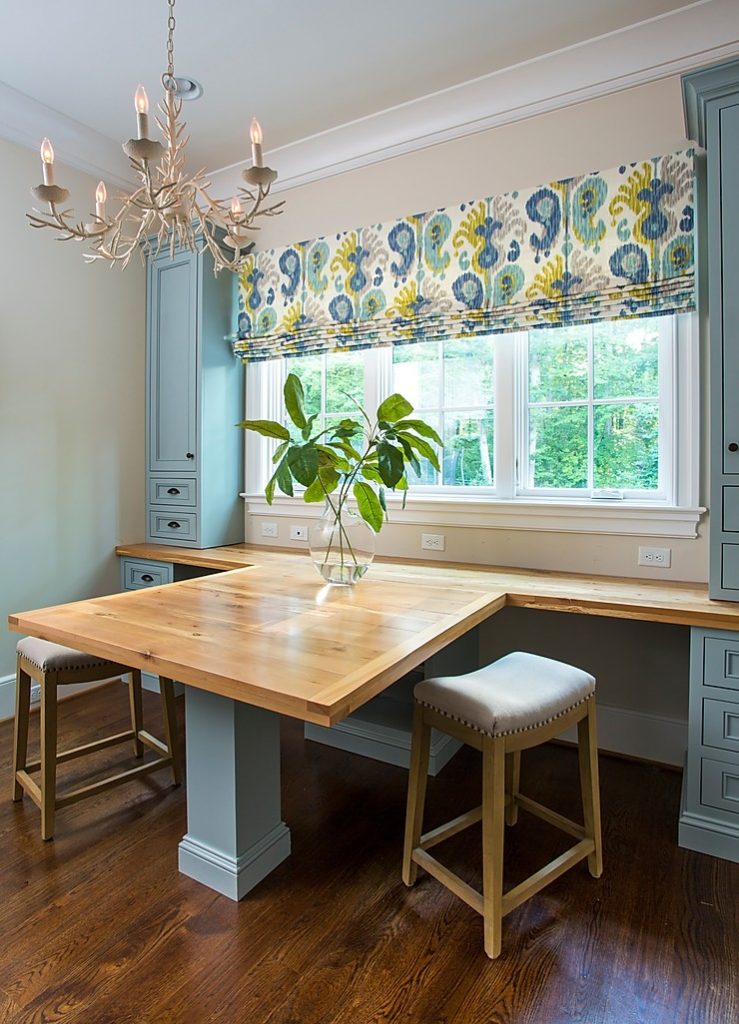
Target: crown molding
x=705 y=32
x=26 y=121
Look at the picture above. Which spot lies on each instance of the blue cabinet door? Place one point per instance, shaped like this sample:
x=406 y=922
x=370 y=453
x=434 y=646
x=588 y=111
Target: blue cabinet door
x=172 y=365
x=711 y=99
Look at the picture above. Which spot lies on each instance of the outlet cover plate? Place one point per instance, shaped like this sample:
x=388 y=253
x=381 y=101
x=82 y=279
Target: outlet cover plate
x=298 y=532
x=269 y=529
x=433 y=542
x=657 y=558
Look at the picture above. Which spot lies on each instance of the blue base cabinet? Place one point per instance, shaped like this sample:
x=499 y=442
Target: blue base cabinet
x=709 y=815
x=711 y=99
x=195 y=397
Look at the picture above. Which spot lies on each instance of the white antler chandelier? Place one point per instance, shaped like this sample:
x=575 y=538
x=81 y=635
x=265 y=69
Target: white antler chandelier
x=169 y=209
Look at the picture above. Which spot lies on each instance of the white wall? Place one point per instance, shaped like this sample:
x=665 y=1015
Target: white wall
x=71 y=408
x=598 y=134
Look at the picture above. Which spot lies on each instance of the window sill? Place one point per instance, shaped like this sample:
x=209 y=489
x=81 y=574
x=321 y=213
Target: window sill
x=547 y=515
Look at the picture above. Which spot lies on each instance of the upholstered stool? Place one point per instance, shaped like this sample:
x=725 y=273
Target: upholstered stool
x=515 y=703
x=51 y=666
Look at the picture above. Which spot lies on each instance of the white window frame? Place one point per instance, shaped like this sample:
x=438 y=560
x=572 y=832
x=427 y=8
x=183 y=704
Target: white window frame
x=674 y=513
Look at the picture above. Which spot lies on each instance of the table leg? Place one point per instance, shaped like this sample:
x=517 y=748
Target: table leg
x=235 y=833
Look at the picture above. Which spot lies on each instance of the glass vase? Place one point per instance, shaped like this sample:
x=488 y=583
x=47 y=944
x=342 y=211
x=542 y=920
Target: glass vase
x=342 y=546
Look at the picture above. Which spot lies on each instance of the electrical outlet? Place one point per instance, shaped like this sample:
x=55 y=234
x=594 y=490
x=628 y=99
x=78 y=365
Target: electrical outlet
x=433 y=541
x=298 y=532
x=35 y=693
x=269 y=529
x=659 y=558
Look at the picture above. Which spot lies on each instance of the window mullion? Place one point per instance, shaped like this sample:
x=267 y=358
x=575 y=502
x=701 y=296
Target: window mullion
x=591 y=413
x=504 y=412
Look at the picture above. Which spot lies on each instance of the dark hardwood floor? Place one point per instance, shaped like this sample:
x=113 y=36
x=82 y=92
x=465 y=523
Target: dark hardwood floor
x=98 y=927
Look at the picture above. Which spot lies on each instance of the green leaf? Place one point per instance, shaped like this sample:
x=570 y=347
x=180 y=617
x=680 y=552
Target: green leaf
x=383 y=503
x=328 y=457
x=391 y=463
x=420 y=428
x=267 y=428
x=368 y=505
x=315 y=492
x=422 y=447
x=306 y=431
x=283 y=477
x=349 y=450
x=293 y=392
x=329 y=478
x=410 y=454
x=303 y=463
x=280 y=451
x=347 y=428
x=269 y=490
x=371 y=473
x=394 y=408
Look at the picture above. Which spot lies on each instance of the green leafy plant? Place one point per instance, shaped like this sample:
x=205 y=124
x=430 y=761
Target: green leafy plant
x=358 y=458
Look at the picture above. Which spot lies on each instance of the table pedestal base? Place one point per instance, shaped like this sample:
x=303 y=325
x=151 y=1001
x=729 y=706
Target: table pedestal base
x=235 y=833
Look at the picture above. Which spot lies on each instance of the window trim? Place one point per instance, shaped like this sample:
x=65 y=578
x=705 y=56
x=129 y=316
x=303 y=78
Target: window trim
x=433 y=506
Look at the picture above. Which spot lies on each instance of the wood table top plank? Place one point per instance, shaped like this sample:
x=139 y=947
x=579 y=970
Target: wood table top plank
x=265 y=631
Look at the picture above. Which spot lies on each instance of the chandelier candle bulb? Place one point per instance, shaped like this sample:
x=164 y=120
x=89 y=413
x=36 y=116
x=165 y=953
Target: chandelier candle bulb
x=100 y=196
x=255 y=132
x=141 y=102
x=47 y=161
x=236 y=210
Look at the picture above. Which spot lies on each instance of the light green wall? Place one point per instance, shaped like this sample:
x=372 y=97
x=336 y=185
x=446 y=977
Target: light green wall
x=71 y=407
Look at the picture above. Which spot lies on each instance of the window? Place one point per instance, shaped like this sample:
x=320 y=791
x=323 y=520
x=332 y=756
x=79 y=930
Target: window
x=597 y=410
x=592 y=417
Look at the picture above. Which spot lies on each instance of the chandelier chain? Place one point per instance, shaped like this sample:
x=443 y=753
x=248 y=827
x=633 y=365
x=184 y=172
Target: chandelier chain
x=170 y=40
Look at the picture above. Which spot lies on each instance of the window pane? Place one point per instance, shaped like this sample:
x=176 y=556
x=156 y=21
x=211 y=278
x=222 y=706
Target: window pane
x=416 y=373
x=558 y=447
x=468 y=449
x=468 y=373
x=558 y=364
x=309 y=370
x=625 y=359
x=344 y=381
x=626 y=446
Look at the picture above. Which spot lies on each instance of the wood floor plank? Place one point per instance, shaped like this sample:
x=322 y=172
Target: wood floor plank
x=99 y=927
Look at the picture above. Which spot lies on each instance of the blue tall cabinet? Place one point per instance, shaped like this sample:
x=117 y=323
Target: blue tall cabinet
x=195 y=397
x=709 y=818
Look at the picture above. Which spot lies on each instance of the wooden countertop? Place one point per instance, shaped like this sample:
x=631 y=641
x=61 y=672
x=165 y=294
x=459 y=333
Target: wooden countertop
x=266 y=632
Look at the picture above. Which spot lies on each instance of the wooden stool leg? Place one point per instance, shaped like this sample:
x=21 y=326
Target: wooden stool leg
x=48 y=756
x=588 y=757
x=169 y=713
x=512 y=783
x=134 y=697
x=493 y=807
x=20 y=732
x=417 y=779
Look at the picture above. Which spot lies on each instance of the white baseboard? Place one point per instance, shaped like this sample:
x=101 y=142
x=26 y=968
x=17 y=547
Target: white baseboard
x=639 y=734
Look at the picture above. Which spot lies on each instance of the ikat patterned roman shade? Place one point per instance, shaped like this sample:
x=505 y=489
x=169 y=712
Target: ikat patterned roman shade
x=601 y=246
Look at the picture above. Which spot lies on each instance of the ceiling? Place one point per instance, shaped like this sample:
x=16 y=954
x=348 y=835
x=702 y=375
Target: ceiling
x=303 y=68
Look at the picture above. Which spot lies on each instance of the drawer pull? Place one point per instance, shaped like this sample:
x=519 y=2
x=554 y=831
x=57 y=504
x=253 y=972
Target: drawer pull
x=733 y=447
x=147 y=577
x=174 y=525
x=173 y=490
x=190 y=455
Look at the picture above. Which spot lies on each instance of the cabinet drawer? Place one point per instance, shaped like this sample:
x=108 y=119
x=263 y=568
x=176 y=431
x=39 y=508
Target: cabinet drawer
x=181 y=527
x=721 y=663
x=721 y=724
x=138 y=574
x=720 y=785
x=172 y=491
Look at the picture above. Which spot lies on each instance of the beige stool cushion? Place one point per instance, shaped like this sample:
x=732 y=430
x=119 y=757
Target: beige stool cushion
x=518 y=692
x=50 y=657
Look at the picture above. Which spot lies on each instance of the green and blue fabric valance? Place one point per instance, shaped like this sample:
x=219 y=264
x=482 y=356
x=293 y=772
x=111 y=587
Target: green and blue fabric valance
x=601 y=246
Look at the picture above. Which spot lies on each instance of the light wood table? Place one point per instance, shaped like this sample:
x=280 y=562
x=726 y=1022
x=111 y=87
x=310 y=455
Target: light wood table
x=265 y=638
